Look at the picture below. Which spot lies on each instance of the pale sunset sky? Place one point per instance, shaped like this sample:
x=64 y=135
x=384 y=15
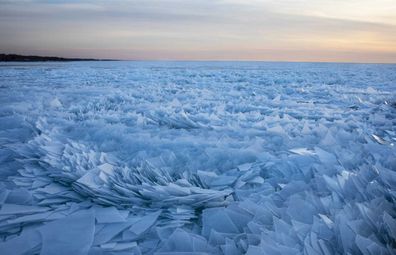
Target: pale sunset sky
x=269 y=30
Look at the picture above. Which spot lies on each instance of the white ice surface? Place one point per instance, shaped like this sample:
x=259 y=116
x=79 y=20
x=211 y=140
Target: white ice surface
x=197 y=158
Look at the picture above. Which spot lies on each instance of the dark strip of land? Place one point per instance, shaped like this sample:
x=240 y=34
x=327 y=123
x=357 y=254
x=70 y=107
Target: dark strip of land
x=22 y=58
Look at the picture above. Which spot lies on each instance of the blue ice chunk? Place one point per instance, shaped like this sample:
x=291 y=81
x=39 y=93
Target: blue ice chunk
x=21 y=209
x=302 y=151
x=300 y=210
x=73 y=234
x=19 y=196
x=144 y=223
x=390 y=224
x=180 y=241
x=110 y=230
x=230 y=247
x=256 y=250
x=110 y=215
x=3 y=195
x=347 y=236
x=28 y=242
x=217 y=219
x=325 y=157
x=37 y=217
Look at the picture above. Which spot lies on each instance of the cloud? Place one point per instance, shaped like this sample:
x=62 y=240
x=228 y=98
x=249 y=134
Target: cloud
x=192 y=26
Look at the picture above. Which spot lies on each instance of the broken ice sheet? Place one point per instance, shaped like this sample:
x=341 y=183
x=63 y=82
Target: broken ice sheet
x=180 y=241
x=245 y=167
x=28 y=242
x=302 y=151
x=378 y=139
x=110 y=215
x=7 y=209
x=215 y=158
x=144 y=223
x=73 y=234
x=108 y=231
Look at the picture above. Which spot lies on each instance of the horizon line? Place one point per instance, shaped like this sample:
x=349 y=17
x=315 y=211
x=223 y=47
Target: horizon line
x=86 y=59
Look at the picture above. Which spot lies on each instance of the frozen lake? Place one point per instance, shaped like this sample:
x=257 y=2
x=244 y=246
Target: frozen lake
x=204 y=157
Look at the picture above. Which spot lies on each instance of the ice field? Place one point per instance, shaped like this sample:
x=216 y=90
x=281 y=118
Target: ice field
x=197 y=158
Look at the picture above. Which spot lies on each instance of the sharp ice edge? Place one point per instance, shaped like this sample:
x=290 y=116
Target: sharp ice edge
x=206 y=158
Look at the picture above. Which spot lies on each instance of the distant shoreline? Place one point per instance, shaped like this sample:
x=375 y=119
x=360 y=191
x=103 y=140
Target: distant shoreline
x=25 y=58
x=34 y=58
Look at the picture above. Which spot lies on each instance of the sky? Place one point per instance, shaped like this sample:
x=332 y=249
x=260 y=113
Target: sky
x=268 y=30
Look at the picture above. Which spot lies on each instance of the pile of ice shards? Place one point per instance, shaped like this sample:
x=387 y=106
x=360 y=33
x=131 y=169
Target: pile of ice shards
x=197 y=158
